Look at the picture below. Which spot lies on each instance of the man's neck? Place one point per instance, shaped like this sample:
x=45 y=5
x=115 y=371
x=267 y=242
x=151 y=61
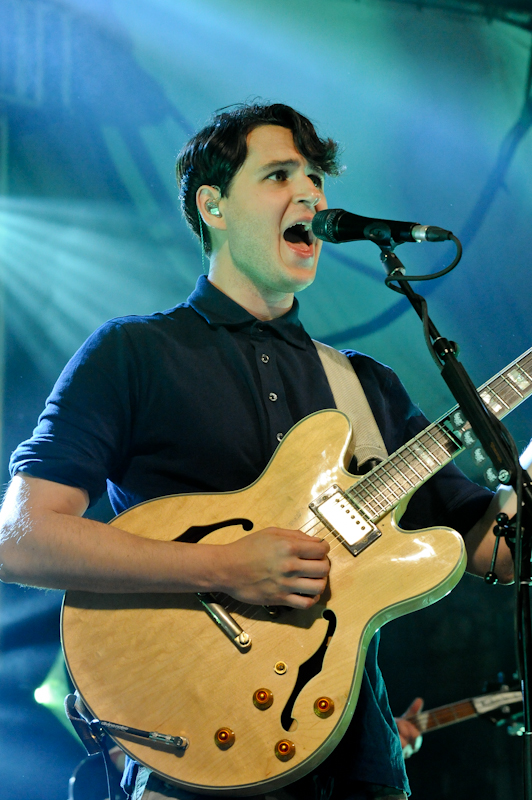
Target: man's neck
x=262 y=304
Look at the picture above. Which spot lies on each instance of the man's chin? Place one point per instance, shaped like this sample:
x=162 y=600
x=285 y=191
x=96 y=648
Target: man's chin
x=305 y=284
x=302 y=276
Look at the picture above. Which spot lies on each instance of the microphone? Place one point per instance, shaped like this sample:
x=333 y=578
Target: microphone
x=336 y=225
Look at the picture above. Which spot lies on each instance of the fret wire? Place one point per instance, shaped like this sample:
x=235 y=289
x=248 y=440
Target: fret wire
x=399 y=478
x=521 y=368
x=513 y=386
x=432 y=455
x=399 y=453
x=448 y=714
x=401 y=488
x=522 y=374
x=366 y=499
x=375 y=499
x=360 y=488
x=435 y=440
x=364 y=503
x=492 y=395
x=457 y=711
x=368 y=493
x=399 y=457
x=499 y=389
x=367 y=479
x=383 y=482
x=520 y=365
x=441 y=430
x=396 y=496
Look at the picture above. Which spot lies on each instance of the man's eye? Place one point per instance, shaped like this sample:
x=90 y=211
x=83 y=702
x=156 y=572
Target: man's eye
x=317 y=181
x=279 y=175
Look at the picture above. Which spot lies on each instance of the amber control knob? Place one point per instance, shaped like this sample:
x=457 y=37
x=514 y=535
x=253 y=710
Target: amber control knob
x=285 y=750
x=224 y=738
x=324 y=707
x=262 y=699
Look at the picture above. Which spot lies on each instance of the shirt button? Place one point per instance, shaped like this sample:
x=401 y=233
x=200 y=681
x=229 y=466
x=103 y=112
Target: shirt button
x=272 y=396
x=279 y=436
x=264 y=358
x=260 y=328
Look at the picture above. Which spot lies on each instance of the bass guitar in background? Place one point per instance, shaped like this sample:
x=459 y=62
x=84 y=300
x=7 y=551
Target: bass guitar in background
x=501 y=707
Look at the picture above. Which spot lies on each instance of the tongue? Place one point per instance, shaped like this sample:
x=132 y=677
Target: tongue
x=301 y=248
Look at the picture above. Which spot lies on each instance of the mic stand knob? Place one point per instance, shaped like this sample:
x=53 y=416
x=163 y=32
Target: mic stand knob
x=504 y=528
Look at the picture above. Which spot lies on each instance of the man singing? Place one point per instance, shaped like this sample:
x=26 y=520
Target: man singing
x=197 y=399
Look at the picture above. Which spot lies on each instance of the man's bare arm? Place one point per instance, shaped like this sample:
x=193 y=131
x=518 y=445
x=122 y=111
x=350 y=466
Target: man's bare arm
x=44 y=541
x=480 y=539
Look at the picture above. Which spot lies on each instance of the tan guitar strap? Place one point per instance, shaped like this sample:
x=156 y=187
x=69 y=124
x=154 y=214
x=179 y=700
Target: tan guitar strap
x=350 y=398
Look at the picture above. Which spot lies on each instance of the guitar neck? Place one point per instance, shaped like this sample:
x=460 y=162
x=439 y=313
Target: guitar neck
x=382 y=489
x=443 y=716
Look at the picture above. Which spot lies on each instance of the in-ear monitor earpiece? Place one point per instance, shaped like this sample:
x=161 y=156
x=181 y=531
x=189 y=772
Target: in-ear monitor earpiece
x=213 y=209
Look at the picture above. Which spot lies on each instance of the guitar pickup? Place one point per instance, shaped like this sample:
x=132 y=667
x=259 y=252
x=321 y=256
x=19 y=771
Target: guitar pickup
x=343 y=519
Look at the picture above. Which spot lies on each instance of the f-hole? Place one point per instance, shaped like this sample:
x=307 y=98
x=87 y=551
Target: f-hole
x=308 y=670
x=197 y=532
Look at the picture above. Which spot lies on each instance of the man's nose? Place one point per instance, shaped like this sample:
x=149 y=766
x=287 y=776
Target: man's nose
x=308 y=193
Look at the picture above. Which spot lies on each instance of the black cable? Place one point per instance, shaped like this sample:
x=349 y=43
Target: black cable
x=389 y=278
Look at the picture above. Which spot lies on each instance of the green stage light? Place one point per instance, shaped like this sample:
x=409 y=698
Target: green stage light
x=52 y=692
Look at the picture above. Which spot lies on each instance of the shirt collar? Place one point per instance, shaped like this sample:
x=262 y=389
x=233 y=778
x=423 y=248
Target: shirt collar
x=218 y=309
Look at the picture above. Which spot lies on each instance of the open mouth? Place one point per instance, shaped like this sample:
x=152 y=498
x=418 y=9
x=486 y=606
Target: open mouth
x=300 y=234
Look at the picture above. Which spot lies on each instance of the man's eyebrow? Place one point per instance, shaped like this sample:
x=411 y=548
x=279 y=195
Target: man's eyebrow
x=290 y=162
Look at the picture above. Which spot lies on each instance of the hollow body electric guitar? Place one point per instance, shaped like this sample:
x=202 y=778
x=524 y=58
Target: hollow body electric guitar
x=223 y=698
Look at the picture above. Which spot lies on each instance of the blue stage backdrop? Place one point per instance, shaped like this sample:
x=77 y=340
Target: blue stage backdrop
x=431 y=103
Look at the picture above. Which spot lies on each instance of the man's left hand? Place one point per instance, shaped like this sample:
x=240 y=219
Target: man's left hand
x=409 y=733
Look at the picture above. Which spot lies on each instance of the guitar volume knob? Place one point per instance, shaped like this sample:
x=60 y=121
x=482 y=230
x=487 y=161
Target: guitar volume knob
x=262 y=699
x=324 y=707
x=224 y=738
x=285 y=750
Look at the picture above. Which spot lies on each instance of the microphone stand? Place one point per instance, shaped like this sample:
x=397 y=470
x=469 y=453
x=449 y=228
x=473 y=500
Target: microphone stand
x=501 y=449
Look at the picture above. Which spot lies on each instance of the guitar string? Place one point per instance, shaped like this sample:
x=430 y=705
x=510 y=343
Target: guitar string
x=309 y=525
x=409 y=458
x=405 y=455
x=244 y=609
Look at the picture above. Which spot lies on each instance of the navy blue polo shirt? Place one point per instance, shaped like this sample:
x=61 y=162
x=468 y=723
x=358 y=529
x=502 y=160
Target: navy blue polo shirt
x=196 y=399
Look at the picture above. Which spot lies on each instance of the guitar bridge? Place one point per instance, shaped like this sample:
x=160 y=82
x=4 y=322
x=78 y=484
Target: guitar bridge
x=343 y=519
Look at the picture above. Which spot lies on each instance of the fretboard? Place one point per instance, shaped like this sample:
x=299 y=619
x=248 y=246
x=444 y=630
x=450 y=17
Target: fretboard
x=443 y=716
x=378 y=492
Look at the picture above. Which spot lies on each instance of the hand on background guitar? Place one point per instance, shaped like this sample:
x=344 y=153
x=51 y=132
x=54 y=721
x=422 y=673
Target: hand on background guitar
x=276 y=566
x=409 y=733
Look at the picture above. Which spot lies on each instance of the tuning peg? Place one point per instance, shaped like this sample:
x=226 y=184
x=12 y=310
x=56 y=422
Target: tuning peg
x=458 y=419
x=479 y=456
x=469 y=439
x=491 y=477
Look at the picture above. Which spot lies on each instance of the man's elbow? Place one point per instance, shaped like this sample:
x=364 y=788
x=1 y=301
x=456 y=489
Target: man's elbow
x=479 y=564
x=14 y=566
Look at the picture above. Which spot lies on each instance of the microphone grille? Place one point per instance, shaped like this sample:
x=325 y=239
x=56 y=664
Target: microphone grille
x=323 y=225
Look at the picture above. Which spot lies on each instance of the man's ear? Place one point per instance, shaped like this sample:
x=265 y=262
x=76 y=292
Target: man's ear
x=207 y=200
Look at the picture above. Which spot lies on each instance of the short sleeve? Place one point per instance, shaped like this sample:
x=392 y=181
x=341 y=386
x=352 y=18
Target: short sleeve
x=82 y=436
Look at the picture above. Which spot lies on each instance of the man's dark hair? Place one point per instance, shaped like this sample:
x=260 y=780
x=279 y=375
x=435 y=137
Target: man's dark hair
x=215 y=154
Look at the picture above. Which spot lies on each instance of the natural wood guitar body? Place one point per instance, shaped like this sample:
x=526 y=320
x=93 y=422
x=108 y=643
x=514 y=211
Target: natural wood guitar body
x=159 y=662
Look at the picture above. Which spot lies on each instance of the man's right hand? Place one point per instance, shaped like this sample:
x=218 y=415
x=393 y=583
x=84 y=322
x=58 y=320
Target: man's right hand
x=276 y=566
